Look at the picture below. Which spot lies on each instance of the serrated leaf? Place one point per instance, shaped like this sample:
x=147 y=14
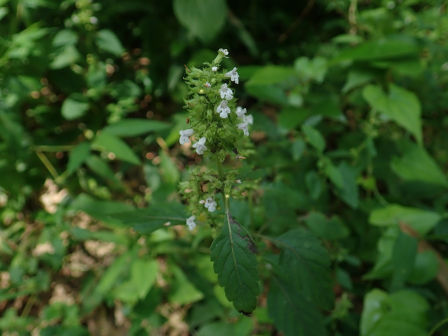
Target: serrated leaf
x=77 y=156
x=232 y=253
x=150 y=219
x=306 y=263
x=292 y=313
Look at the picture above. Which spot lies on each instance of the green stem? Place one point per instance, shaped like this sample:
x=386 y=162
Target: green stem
x=221 y=178
x=47 y=164
x=437 y=326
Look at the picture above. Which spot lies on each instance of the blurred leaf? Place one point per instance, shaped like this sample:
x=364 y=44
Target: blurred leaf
x=203 y=18
x=403 y=258
x=332 y=228
x=314 y=137
x=170 y=172
x=357 y=78
x=143 y=276
x=334 y=175
x=417 y=165
x=313 y=184
x=183 y=291
x=117 y=146
x=75 y=106
x=425 y=268
x=150 y=219
x=96 y=207
x=135 y=127
x=400 y=105
x=100 y=167
x=349 y=192
x=291 y=312
x=311 y=69
x=232 y=253
x=306 y=264
x=65 y=37
x=421 y=220
x=298 y=147
x=243 y=327
x=270 y=74
x=108 y=41
x=268 y=93
x=291 y=117
x=65 y=57
x=77 y=156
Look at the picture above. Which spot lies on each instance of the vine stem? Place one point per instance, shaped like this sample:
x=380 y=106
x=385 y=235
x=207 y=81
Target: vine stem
x=437 y=326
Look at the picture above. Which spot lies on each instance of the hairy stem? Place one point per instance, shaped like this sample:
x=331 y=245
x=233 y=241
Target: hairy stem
x=221 y=178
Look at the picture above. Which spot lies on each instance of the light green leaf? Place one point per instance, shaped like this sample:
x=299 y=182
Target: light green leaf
x=291 y=312
x=356 y=78
x=65 y=57
x=100 y=167
x=403 y=259
x=421 y=220
x=3 y=12
x=108 y=41
x=298 y=147
x=271 y=74
x=183 y=291
x=117 y=146
x=65 y=37
x=334 y=174
x=332 y=228
x=290 y=117
x=417 y=165
x=349 y=192
x=311 y=69
x=232 y=253
x=135 y=127
x=77 y=156
x=425 y=268
x=268 y=93
x=75 y=106
x=150 y=219
x=375 y=307
x=400 y=105
x=306 y=263
x=143 y=276
x=170 y=172
x=203 y=18
x=96 y=207
x=314 y=137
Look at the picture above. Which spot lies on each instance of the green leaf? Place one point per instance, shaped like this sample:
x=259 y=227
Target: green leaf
x=203 y=18
x=306 y=264
x=232 y=253
x=143 y=276
x=334 y=174
x=65 y=37
x=135 y=127
x=417 y=165
x=117 y=146
x=313 y=184
x=400 y=105
x=271 y=74
x=75 y=106
x=183 y=291
x=65 y=57
x=311 y=69
x=421 y=220
x=332 y=228
x=170 y=172
x=298 y=147
x=100 y=167
x=425 y=268
x=403 y=259
x=97 y=207
x=108 y=41
x=349 y=192
x=150 y=219
x=356 y=78
x=291 y=117
x=268 y=93
x=242 y=327
x=292 y=313
x=314 y=137
x=77 y=156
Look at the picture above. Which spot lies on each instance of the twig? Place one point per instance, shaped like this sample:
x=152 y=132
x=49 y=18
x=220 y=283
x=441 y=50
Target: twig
x=47 y=164
x=299 y=19
x=352 y=16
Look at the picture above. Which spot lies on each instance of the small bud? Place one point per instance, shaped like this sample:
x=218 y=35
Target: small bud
x=167 y=224
x=238 y=181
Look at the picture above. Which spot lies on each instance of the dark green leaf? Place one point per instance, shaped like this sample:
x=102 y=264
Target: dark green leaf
x=403 y=259
x=117 y=146
x=270 y=74
x=425 y=268
x=332 y=228
x=135 y=127
x=314 y=137
x=298 y=147
x=313 y=184
x=349 y=192
x=77 y=156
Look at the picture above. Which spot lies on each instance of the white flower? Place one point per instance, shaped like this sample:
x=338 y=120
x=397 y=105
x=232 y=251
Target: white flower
x=201 y=201
x=200 y=146
x=240 y=112
x=223 y=109
x=233 y=75
x=243 y=126
x=210 y=204
x=214 y=68
x=207 y=85
x=224 y=51
x=225 y=92
x=248 y=119
x=237 y=181
x=190 y=222
x=184 y=136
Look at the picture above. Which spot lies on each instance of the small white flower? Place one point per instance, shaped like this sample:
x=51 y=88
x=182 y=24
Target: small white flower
x=207 y=85
x=225 y=92
x=243 y=126
x=237 y=181
x=233 y=75
x=201 y=202
x=224 y=51
x=190 y=222
x=210 y=204
x=223 y=109
x=248 y=119
x=214 y=68
x=240 y=112
x=200 y=146
x=184 y=136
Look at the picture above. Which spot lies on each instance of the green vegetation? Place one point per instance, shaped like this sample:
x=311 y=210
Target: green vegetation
x=330 y=218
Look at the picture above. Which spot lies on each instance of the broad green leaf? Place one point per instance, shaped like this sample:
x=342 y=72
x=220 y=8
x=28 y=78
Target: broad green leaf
x=117 y=146
x=400 y=105
x=96 y=207
x=291 y=117
x=332 y=228
x=334 y=175
x=313 y=184
x=143 y=275
x=232 y=253
x=268 y=93
x=150 y=219
x=417 y=165
x=314 y=137
x=357 y=78
x=421 y=220
x=75 y=106
x=425 y=268
x=298 y=147
x=403 y=259
x=65 y=57
x=243 y=327
x=170 y=172
x=375 y=307
x=306 y=264
x=183 y=291
x=100 y=167
x=292 y=313
x=108 y=41
x=349 y=192
x=271 y=74
x=65 y=37
x=135 y=127
x=311 y=69
x=203 y=18
x=77 y=156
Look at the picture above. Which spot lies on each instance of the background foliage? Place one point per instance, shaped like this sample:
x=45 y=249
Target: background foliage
x=350 y=130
